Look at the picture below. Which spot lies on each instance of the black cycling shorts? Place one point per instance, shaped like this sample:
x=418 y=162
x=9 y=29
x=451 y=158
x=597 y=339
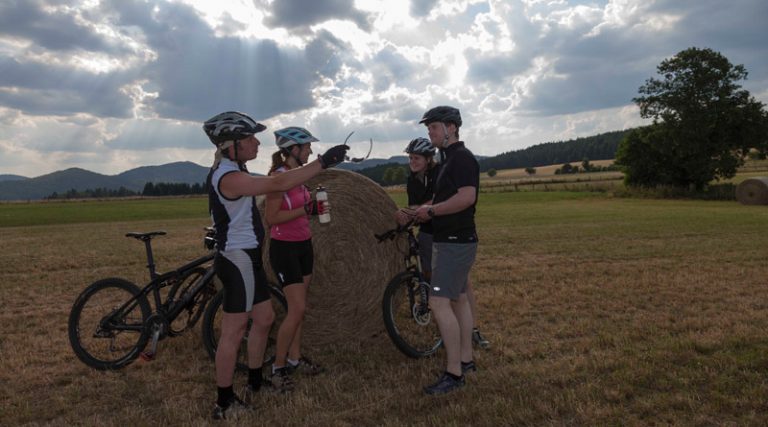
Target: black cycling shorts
x=291 y=261
x=241 y=271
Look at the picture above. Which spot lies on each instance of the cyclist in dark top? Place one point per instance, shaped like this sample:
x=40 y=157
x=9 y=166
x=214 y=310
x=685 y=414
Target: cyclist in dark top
x=420 y=189
x=452 y=212
x=240 y=235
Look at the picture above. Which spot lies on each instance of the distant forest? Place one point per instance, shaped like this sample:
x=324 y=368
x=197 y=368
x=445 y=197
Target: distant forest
x=597 y=147
x=150 y=189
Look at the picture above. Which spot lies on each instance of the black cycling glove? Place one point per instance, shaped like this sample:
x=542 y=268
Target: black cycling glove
x=333 y=156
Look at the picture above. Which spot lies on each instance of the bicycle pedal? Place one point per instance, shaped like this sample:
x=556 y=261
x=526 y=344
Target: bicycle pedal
x=147 y=356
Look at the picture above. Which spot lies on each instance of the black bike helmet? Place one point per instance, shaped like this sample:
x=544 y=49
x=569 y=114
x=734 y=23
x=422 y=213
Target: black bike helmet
x=231 y=126
x=443 y=114
x=420 y=146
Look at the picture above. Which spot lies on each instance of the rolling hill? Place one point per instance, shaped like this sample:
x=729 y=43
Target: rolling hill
x=81 y=179
x=10 y=177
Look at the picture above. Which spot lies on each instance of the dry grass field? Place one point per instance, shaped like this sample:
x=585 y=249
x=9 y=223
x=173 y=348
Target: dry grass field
x=601 y=311
x=545 y=179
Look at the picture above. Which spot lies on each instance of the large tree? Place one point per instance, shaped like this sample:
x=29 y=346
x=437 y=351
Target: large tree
x=704 y=123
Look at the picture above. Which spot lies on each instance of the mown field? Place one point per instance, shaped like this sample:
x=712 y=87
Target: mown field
x=601 y=311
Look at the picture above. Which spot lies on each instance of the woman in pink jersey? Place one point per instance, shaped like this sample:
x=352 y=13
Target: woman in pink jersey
x=290 y=252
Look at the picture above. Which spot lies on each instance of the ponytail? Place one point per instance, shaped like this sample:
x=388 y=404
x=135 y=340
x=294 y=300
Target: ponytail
x=278 y=161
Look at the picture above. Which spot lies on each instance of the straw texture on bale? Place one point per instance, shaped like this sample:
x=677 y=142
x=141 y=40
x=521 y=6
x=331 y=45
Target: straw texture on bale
x=753 y=191
x=351 y=268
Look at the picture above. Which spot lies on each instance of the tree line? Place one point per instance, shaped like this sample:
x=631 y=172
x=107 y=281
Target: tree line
x=150 y=189
x=598 y=147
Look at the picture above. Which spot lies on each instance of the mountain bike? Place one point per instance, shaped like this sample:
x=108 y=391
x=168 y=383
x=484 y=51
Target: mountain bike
x=407 y=316
x=112 y=320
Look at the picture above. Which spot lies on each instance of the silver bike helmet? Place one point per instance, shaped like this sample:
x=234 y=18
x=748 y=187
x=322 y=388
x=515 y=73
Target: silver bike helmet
x=420 y=146
x=230 y=126
x=293 y=135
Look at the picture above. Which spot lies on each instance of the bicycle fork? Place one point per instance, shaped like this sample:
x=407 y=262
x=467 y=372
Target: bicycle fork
x=420 y=303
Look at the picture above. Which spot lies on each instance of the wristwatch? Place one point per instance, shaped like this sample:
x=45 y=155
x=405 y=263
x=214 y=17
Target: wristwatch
x=431 y=212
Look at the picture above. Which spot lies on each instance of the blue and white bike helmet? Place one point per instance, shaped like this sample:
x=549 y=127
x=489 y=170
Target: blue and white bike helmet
x=420 y=146
x=292 y=135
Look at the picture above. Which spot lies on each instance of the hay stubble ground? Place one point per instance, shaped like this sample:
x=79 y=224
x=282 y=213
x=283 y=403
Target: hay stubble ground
x=601 y=312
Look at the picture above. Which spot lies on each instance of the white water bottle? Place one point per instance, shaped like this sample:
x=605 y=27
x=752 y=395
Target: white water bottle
x=322 y=196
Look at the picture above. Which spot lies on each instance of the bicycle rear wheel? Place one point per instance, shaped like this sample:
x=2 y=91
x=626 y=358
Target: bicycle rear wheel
x=212 y=326
x=106 y=324
x=407 y=317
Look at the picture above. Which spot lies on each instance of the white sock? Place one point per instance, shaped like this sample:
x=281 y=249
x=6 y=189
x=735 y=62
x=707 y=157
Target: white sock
x=293 y=362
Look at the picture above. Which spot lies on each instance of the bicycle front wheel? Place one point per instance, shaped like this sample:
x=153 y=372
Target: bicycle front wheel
x=106 y=324
x=407 y=317
x=212 y=327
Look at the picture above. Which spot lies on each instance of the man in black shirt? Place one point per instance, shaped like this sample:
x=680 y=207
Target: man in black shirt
x=455 y=244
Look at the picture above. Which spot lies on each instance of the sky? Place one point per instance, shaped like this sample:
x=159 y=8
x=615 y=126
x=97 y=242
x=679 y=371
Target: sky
x=112 y=85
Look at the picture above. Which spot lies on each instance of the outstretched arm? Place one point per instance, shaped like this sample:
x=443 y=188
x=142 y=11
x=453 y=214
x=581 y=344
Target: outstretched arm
x=238 y=184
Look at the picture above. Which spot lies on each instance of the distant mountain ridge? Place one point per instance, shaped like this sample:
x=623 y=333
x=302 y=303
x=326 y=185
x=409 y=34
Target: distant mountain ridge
x=81 y=179
x=10 y=177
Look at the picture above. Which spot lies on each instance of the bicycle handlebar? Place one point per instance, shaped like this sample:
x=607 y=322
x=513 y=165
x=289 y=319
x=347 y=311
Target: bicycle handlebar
x=390 y=234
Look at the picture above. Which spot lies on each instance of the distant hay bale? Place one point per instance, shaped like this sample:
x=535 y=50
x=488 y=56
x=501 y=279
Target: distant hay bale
x=351 y=268
x=753 y=191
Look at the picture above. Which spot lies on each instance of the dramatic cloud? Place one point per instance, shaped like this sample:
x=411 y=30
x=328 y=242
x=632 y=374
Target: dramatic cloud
x=114 y=84
x=295 y=14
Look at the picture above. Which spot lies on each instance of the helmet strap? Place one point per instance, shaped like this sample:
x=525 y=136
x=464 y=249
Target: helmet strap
x=297 y=157
x=445 y=135
x=288 y=152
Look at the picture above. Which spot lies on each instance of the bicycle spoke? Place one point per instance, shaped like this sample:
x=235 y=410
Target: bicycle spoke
x=104 y=334
x=121 y=336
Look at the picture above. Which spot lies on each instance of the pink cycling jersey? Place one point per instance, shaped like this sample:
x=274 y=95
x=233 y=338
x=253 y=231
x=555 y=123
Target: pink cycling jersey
x=297 y=229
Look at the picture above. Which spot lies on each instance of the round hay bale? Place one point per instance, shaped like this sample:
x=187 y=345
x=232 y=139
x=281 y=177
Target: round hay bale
x=753 y=191
x=351 y=268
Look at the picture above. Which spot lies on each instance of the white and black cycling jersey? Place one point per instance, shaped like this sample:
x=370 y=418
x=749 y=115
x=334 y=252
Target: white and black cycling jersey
x=237 y=221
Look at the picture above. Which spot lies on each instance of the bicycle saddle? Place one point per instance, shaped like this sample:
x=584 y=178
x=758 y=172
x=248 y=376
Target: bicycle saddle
x=145 y=236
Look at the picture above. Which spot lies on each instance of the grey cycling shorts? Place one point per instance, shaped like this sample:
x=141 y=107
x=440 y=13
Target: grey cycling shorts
x=451 y=263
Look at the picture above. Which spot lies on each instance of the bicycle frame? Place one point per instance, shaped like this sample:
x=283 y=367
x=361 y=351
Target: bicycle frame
x=411 y=256
x=154 y=287
x=176 y=306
